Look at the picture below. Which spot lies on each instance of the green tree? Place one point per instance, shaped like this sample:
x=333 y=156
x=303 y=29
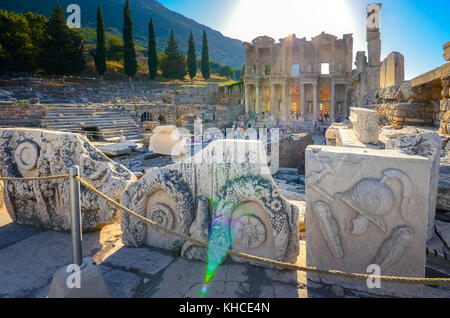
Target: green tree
x=191 y=58
x=114 y=48
x=226 y=71
x=2 y=52
x=173 y=63
x=100 y=54
x=64 y=50
x=15 y=39
x=152 y=54
x=206 y=68
x=38 y=27
x=129 y=48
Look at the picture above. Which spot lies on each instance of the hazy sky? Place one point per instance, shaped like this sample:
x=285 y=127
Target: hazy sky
x=416 y=28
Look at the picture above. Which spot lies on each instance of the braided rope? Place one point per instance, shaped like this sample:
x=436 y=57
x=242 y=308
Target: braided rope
x=62 y=176
x=392 y=279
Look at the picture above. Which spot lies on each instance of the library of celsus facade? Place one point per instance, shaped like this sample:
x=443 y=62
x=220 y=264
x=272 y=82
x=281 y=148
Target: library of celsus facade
x=299 y=79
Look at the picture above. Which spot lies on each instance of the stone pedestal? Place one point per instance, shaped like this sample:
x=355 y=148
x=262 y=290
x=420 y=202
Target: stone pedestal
x=365 y=124
x=91 y=282
x=366 y=207
x=167 y=140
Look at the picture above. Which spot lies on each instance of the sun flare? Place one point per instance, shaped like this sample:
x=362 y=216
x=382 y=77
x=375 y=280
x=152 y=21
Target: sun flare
x=252 y=18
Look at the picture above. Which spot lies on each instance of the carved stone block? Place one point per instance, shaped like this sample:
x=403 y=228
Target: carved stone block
x=225 y=195
x=167 y=140
x=39 y=153
x=365 y=124
x=363 y=207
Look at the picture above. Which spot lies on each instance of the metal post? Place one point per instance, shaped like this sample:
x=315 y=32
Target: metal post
x=75 y=215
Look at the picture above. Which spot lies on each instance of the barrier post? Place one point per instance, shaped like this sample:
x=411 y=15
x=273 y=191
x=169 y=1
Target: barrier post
x=75 y=215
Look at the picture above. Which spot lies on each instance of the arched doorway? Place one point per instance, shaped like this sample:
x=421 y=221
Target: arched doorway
x=146 y=116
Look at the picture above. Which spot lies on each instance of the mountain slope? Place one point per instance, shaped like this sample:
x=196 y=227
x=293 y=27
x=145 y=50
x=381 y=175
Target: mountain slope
x=221 y=48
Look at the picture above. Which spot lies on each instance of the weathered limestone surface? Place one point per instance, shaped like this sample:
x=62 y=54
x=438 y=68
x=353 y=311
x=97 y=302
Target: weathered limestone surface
x=292 y=151
x=365 y=124
x=348 y=138
x=39 y=153
x=443 y=197
x=331 y=132
x=428 y=145
x=392 y=71
x=250 y=213
x=366 y=207
x=118 y=149
x=447 y=51
x=167 y=140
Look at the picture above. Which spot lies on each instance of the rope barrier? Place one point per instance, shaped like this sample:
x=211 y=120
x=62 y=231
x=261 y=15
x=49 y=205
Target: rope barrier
x=62 y=176
x=291 y=266
x=279 y=264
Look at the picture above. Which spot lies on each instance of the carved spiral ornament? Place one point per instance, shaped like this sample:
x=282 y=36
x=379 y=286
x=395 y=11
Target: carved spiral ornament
x=251 y=231
x=372 y=196
x=162 y=215
x=27 y=155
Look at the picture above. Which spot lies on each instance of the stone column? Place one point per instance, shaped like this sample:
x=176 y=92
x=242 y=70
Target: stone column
x=303 y=100
x=315 y=102
x=246 y=98
x=272 y=98
x=332 y=101
x=345 y=106
x=257 y=99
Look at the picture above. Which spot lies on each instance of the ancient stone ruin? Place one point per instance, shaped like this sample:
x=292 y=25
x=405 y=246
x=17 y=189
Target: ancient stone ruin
x=366 y=207
x=249 y=212
x=39 y=153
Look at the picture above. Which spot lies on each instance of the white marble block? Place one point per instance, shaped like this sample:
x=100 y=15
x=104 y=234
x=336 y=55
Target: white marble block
x=365 y=124
x=364 y=207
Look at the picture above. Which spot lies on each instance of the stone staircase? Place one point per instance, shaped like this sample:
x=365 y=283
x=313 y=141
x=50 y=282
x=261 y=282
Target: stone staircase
x=98 y=122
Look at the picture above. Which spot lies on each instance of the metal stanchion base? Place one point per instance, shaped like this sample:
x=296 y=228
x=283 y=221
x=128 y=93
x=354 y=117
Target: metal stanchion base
x=90 y=278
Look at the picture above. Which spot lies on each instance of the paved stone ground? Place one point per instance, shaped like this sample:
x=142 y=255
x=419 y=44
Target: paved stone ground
x=29 y=257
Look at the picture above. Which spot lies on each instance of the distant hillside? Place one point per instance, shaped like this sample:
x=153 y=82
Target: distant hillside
x=221 y=48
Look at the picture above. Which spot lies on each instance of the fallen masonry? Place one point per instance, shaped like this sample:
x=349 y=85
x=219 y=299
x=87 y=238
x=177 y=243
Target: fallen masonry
x=40 y=153
x=218 y=195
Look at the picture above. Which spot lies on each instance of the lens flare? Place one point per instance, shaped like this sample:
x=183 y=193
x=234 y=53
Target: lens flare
x=221 y=234
x=203 y=291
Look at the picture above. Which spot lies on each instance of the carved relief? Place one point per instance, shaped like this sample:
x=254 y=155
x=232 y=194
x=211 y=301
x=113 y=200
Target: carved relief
x=329 y=228
x=26 y=155
x=373 y=199
x=199 y=230
x=251 y=231
x=40 y=153
x=394 y=247
x=164 y=197
x=163 y=215
x=247 y=211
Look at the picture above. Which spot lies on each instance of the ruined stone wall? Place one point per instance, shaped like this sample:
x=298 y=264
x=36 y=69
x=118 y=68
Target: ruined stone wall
x=392 y=71
x=13 y=114
x=444 y=114
x=221 y=116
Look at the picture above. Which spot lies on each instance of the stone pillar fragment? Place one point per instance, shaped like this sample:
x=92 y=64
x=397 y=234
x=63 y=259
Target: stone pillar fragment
x=315 y=102
x=365 y=211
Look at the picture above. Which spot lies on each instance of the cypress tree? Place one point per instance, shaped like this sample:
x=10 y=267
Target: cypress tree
x=100 y=54
x=129 y=49
x=173 y=64
x=152 y=55
x=206 y=68
x=191 y=58
x=64 y=51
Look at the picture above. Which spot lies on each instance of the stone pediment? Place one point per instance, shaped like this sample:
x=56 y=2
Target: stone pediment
x=264 y=40
x=325 y=37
